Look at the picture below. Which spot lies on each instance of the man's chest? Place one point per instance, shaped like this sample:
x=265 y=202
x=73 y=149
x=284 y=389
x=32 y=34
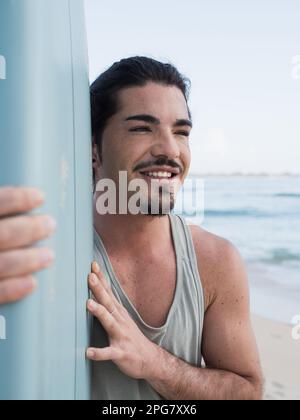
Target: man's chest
x=150 y=286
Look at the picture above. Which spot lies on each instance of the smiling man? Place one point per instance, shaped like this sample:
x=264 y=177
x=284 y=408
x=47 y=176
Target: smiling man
x=178 y=292
x=166 y=295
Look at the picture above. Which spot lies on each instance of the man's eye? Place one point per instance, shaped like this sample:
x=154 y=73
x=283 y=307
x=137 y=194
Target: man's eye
x=183 y=133
x=140 y=129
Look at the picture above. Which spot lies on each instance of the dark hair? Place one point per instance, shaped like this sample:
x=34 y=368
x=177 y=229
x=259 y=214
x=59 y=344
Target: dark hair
x=134 y=71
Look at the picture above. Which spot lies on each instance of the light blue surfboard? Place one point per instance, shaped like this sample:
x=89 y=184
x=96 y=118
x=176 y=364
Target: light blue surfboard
x=45 y=143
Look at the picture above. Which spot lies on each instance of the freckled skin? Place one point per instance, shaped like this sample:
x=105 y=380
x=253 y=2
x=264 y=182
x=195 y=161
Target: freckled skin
x=228 y=339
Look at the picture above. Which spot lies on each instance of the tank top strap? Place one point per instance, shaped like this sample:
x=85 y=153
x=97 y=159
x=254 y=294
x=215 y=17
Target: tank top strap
x=185 y=248
x=184 y=241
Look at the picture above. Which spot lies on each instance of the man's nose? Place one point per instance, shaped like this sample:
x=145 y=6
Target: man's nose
x=166 y=145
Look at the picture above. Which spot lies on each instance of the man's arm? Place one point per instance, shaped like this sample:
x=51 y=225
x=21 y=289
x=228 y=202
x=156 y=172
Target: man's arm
x=229 y=349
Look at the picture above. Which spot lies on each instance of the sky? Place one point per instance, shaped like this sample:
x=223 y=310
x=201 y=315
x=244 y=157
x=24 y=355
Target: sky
x=243 y=59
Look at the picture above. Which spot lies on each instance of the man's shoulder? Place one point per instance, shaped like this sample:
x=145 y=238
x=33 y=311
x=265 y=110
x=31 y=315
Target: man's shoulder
x=220 y=264
x=211 y=246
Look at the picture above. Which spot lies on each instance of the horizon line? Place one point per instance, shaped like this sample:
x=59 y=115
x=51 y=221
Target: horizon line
x=245 y=174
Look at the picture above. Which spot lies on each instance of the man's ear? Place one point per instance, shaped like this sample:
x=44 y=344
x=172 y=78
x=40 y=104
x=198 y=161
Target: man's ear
x=96 y=162
x=95 y=155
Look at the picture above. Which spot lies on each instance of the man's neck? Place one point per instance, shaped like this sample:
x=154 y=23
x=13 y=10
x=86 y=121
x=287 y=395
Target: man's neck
x=131 y=234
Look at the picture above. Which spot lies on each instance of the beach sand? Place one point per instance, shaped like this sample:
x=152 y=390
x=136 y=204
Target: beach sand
x=280 y=358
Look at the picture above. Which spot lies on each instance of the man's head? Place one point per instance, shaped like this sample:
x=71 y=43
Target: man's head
x=141 y=123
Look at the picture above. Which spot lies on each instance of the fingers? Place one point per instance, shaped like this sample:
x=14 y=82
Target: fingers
x=107 y=320
x=15 y=289
x=101 y=294
x=24 y=261
x=21 y=231
x=17 y=232
x=19 y=200
x=104 y=354
x=103 y=282
x=97 y=272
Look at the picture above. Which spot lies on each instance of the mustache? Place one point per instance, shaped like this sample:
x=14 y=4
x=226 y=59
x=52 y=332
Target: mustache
x=158 y=162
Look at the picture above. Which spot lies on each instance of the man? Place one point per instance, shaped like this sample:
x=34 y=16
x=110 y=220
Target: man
x=165 y=294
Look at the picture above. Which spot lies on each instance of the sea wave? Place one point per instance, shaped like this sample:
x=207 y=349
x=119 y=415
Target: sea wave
x=287 y=195
x=280 y=256
x=247 y=212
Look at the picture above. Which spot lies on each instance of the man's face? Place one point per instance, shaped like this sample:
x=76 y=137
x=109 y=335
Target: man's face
x=149 y=139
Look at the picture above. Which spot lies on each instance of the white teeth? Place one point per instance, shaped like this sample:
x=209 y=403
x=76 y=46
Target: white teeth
x=159 y=174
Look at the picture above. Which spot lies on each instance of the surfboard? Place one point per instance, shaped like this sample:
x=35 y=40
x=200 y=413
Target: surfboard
x=45 y=142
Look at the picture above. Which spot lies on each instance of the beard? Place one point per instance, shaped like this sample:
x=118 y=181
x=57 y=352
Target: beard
x=161 y=212
x=157 y=202
x=163 y=205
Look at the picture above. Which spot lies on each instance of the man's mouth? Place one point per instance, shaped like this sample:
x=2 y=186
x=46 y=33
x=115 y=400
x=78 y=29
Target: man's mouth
x=160 y=174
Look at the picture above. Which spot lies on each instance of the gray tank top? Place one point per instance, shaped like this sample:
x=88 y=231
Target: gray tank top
x=181 y=335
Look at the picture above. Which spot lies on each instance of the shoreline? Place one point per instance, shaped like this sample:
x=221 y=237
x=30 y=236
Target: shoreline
x=280 y=358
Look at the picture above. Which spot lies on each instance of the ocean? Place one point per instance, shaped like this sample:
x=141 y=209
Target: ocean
x=261 y=217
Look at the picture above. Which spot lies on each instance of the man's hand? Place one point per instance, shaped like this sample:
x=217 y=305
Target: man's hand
x=18 y=233
x=129 y=349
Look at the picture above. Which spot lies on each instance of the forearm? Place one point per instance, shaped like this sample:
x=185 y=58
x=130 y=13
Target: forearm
x=175 y=379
